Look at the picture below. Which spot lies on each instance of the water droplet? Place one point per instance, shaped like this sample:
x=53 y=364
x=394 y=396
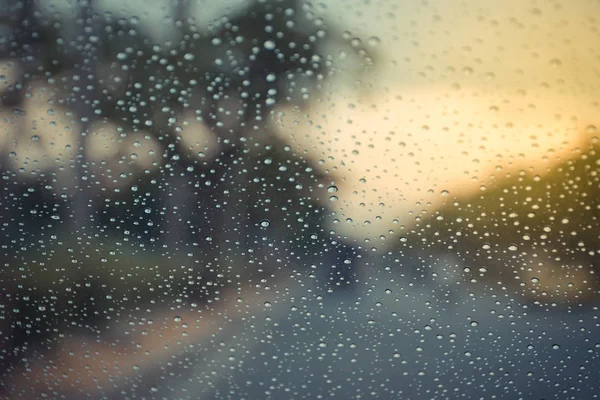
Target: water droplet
x=374 y=41
x=591 y=129
x=555 y=62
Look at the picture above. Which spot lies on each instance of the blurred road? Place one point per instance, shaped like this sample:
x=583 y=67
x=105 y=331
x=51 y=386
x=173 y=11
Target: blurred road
x=389 y=339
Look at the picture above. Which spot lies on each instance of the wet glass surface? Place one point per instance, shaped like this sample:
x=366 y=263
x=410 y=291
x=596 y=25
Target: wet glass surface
x=280 y=199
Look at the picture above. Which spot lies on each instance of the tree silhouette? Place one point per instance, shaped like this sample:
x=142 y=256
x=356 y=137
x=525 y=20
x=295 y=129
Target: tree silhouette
x=245 y=212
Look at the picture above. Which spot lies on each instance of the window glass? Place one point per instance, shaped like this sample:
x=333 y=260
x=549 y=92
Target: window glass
x=279 y=199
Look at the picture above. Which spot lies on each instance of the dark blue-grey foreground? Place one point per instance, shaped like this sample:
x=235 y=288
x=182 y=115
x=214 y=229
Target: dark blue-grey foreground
x=389 y=339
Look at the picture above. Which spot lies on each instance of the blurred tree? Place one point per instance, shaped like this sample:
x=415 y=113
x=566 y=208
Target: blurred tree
x=528 y=234
x=220 y=200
